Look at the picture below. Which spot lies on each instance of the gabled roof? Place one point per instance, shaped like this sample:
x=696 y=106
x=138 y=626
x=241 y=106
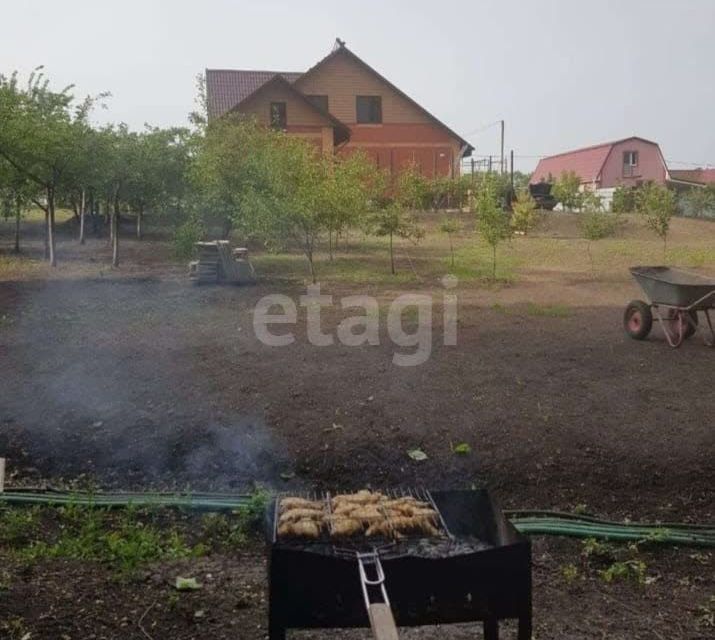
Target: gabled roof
x=341 y=49
x=587 y=162
x=225 y=88
x=696 y=176
x=342 y=132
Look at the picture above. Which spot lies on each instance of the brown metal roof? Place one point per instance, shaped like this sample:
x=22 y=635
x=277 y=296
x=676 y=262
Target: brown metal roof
x=340 y=48
x=225 y=88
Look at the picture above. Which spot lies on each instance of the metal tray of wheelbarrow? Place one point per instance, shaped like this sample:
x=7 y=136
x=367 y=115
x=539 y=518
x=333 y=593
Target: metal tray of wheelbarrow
x=675 y=288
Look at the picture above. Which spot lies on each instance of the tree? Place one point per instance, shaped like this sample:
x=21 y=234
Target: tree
x=412 y=187
x=566 y=190
x=595 y=222
x=524 y=216
x=16 y=194
x=656 y=203
x=349 y=186
x=450 y=226
x=624 y=199
x=393 y=220
x=39 y=138
x=492 y=222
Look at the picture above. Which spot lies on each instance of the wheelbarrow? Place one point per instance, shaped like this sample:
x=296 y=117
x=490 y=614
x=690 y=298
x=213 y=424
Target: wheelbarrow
x=675 y=296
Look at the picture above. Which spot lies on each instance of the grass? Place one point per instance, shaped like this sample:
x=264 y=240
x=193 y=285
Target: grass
x=125 y=539
x=548 y=310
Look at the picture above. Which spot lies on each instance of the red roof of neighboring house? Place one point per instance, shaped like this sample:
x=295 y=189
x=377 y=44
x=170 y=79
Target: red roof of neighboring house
x=699 y=176
x=586 y=163
x=225 y=88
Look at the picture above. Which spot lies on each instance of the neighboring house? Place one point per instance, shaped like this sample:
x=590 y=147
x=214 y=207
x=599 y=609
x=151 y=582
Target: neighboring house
x=342 y=104
x=602 y=168
x=695 y=177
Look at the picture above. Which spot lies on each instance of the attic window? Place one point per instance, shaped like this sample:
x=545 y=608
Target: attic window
x=319 y=101
x=368 y=109
x=278 y=115
x=630 y=163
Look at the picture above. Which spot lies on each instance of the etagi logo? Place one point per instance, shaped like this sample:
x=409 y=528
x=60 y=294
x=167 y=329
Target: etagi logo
x=363 y=328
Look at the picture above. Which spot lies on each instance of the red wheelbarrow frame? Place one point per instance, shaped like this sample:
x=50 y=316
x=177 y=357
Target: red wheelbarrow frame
x=681 y=318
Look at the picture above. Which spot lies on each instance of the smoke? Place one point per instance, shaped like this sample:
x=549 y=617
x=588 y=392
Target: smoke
x=131 y=383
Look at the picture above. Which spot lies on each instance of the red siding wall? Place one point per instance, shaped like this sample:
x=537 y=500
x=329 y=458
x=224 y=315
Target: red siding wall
x=650 y=164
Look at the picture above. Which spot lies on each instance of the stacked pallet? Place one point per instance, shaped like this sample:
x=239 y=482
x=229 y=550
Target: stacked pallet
x=207 y=268
x=217 y=263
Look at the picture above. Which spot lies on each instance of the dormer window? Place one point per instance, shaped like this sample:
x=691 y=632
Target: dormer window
x=368 y=109
x=630 y=164
x=278 y=115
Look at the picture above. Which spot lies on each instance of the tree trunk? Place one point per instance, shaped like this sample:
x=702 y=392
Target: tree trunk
x=51 y=226
x=47 y=235
x=140 y=214
x=18 y=210
x=330 y=245
x=494 y=262
x=115 y=230
x=226 y=228
x=82 y=203
x=451 y=248
x=392 y=258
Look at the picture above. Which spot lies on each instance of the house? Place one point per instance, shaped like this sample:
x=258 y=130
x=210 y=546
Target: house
x=603 y=167
x=694 y=177
x=342 y=104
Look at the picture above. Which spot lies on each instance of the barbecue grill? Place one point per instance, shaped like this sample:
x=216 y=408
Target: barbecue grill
x=477 y=569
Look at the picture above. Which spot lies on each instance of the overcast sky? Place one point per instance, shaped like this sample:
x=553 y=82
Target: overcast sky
x=562 y=73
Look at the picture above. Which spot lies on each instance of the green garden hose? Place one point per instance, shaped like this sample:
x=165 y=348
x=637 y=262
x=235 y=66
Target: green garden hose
x=527 y=522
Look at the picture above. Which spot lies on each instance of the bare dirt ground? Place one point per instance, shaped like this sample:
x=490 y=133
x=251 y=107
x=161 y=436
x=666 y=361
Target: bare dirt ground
x=137 y=379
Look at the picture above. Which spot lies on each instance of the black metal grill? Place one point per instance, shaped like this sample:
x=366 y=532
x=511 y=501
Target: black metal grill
x=478 y=569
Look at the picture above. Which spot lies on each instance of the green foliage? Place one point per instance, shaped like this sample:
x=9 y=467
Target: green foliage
x=18 y=526
x=122 y=539
x=569 y=572
x=524 y=216
x=412 y=187
x=492 y=222
x=656 y=203
x=450 y=226
x=462 y=449
x=626 y=570
x=566 y=190
x=394 y=220
x=698 y=202
x=624 y=199
x=186 y=236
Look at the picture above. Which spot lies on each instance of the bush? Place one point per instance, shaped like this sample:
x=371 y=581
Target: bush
x=698 y=202
x=624 y=199
x=524 y=216
x=186 y=236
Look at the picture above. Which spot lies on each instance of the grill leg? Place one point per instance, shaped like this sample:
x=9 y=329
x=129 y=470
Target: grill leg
x=525 y=626
x=275 y=631
x=491 y=629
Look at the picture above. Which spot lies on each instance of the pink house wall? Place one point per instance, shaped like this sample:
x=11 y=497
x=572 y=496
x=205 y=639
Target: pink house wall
x=650 y=164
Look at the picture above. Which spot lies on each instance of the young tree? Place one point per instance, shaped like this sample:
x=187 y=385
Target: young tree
x=394 y=220
x=492 y=222
x=450 y=226
x=595 y=222
x=656 y=203
x=566 y=190
x=412 y=187
x=524 y=215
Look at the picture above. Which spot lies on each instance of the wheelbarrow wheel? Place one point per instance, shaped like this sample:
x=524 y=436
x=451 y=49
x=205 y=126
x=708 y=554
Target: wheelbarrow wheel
x=688 y=320
x=638 y=319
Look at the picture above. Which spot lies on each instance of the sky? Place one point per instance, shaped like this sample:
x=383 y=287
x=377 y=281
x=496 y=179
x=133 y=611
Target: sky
x=561 y=73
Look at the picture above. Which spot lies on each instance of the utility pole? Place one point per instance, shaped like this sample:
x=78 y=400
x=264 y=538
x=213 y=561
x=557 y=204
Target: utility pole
x=503 y=165
x=511 y=154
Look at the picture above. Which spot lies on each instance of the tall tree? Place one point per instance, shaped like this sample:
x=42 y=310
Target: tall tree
x=40 y=138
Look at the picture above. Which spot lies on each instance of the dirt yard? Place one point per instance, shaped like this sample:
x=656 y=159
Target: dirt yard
x=135 y=378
